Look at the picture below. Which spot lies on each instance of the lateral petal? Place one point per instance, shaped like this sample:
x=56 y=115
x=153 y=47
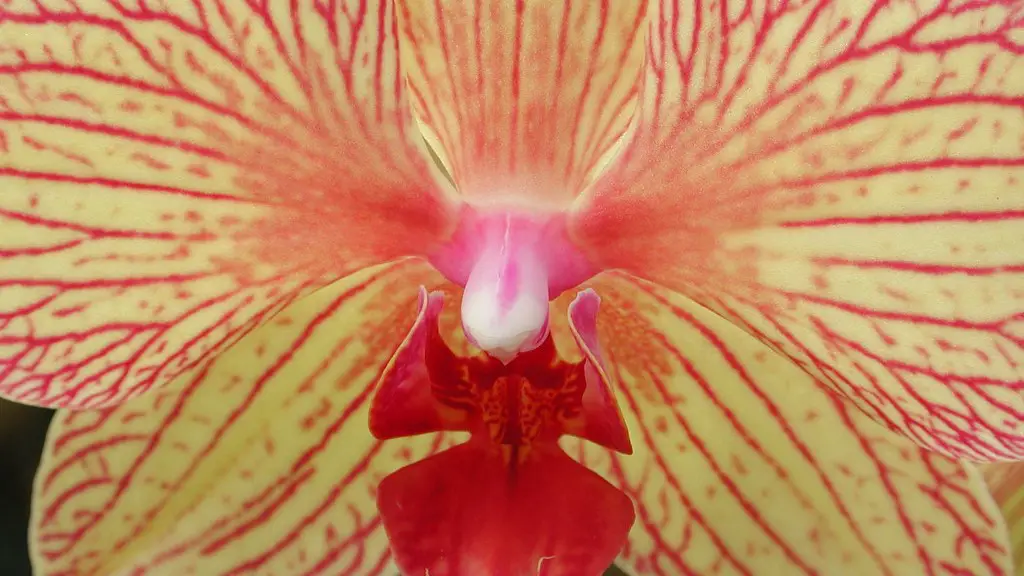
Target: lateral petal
x=258 y=463
x=743 y=464
x=843 y=180
x=175 y=173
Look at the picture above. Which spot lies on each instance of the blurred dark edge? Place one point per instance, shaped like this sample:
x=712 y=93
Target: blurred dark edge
x=22 y=433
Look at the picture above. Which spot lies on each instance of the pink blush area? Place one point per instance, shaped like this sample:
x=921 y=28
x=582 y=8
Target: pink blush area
x=508 y=283
x=538 y=239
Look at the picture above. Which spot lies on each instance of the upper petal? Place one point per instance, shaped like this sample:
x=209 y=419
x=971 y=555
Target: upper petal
x=743 y=465
x=843 y=180
x=524 y=97
x=174 y=174
x=259 y=463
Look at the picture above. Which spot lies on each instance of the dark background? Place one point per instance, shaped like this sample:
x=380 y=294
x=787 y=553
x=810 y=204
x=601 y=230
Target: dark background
x=22 y=432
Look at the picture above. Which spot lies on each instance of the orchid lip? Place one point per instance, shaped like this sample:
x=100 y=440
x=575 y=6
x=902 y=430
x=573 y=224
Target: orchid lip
x=510 y=498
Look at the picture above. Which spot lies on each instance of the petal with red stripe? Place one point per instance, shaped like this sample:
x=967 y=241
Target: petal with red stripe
x=843 y=180
x=259 y=463
x=743 y=465
x=174 y=173
x=524 y=97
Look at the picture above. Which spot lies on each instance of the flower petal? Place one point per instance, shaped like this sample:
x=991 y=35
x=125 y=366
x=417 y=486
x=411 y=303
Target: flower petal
x=463 y=512
x=523 y=97
x=260 y=463
x=843 y=180
x=173 y=173
x=743 y=465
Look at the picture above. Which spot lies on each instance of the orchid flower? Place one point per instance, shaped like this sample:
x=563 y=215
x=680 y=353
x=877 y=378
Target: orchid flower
x=256 y=251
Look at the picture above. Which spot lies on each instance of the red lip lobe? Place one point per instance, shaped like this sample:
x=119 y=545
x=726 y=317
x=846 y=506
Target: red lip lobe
x=467 y=511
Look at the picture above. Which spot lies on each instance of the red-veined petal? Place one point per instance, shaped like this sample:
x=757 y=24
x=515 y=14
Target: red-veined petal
x=173 y=173
x=258 y=463
x=742 y=465
x=843 y=179
x=1006 y=480
x=523 y=97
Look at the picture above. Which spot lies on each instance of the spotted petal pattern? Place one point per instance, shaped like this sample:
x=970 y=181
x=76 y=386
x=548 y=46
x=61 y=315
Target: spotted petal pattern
x=743 y=465
x=174 y=173
x=259 y=464
x=843 y=179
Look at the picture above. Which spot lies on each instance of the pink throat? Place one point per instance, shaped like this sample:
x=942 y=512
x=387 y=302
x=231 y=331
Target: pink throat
x=511 y=264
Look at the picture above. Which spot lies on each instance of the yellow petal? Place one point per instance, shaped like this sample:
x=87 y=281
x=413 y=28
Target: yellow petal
x=261 y=463
x=173 y=173
x=743 y=465
x=523 y=97
x=842 y=179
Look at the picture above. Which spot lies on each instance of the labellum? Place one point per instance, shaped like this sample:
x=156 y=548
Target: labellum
x=509 y=501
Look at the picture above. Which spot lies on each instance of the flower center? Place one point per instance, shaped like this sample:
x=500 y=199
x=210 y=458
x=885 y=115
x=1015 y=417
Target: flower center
x=511 y=263
x=505 y=304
